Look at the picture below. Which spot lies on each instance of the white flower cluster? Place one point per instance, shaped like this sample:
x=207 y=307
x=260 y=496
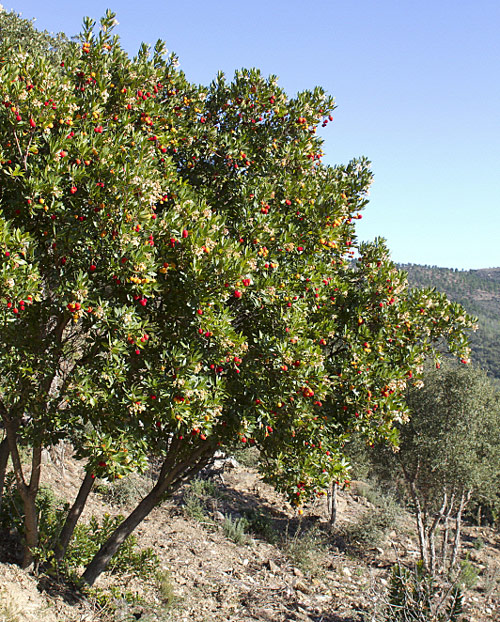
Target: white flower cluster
x=136 y=408
x=397 y=385
x=80 y=294
x=127 y=319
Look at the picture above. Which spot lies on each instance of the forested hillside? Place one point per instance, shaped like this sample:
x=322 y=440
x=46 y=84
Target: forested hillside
x=479 y=292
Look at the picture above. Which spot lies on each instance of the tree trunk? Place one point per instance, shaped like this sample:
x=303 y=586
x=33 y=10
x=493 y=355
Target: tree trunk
x=432 y=532
x=171 y=476
x=101 y=560
x=458 y=523
x=332 y=503
x=28 y=492
x=4 y=459
x=73 y=517
x=446 y=533
x=422 y=538
x=28 y=495
x=30 y=529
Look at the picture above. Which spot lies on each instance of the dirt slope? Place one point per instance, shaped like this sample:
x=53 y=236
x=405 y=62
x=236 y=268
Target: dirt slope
x=292 y=571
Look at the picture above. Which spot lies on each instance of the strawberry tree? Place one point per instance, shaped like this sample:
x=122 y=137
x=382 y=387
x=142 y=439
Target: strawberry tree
x=190 y=279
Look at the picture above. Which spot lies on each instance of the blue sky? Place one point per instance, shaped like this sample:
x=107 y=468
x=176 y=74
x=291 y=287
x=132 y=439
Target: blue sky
x=416 y=85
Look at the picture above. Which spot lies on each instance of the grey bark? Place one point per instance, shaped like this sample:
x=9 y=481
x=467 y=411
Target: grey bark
x=432 y=532
x=446 y=532
x=464 y=499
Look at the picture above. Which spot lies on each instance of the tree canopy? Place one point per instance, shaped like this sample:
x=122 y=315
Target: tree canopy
x=180 y=272
x=449 y=450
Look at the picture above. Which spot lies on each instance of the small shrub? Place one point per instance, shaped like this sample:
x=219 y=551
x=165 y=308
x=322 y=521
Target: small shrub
x=416 y=596
x=490 y=581
x=306 y=550
x=235 y=529
x=86 y=541
x=193 y=508
x=113 y=602
x=204 y=488
x=468 y=575
x=370 y=530
x=247 y=456
x=373 y=526
x=165 y=588
x=261 y=525
x=116 y=604
x=125 y=492
x=200 y=499
x=478 y=543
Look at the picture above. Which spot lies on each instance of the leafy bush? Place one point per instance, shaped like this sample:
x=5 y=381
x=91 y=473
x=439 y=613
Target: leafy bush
x=468 y=575
x=194 y=509
x=247 y=456
x=165 y=589
x=204 y=488
x=116 y=604
x=88 y=539
x=51 y=513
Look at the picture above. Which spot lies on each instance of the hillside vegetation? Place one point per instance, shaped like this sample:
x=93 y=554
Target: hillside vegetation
x=479 y=292
x=230 y=549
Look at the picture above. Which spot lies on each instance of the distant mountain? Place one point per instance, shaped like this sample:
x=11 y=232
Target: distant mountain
x=479 y=292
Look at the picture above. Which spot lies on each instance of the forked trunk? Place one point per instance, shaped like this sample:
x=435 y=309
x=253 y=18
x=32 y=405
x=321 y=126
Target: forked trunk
x=29 y=494
x=446 y=534
x=431 y=535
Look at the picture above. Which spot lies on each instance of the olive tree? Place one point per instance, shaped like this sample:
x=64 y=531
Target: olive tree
x=449 y=450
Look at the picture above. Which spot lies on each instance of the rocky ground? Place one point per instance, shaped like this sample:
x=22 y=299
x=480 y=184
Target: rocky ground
x=284 y=568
